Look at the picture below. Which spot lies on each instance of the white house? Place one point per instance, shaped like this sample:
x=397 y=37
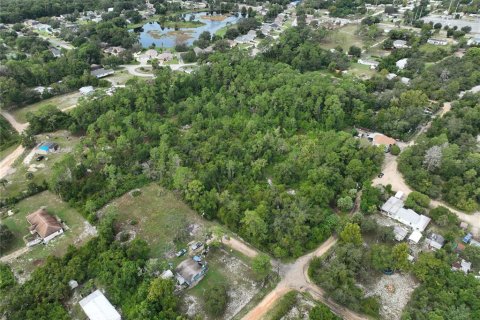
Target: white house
x=437 y=42
x=415 y=237
x=400 y=44
x=402 y=63
x=394 y=209
x=97 y=307
x=371 y=63
x=86 y=90
x=474 y=41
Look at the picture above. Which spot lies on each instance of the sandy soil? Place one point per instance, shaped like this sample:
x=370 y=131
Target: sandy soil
x=295 y=277
x=7 y=162
x=13 y=255
x=241 y=247
x=394 y=292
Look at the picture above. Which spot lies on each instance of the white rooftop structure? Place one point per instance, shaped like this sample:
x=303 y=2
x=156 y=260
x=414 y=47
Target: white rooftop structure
x=86 y=90
x=400 y=233
x=395 y=210
x=415 y=236
x=97 y=307
x=402 y=63
x=399 y=195
x=167 y=274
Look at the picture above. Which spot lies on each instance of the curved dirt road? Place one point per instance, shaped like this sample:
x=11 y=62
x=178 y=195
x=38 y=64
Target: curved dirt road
x=295 y=277
x=7 y=162
x=393 y=177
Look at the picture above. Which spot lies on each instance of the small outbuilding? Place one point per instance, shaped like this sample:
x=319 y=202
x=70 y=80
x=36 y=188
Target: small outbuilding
x=415 y=237
x=97 y=307
x=436 y=241
x=101 y=73
x=462 y=265
x=86 y=90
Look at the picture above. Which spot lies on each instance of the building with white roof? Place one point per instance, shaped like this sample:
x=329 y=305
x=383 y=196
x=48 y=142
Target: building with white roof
x=97 y=307
x=402 y=63
x=394 y=209
x=415 y=236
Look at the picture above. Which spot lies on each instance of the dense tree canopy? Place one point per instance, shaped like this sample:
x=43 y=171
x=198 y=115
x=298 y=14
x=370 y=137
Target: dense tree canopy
x=445 y=162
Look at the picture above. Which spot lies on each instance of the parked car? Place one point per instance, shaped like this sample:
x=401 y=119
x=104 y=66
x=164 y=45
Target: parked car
x=381 y=174
x=196 y=245
x=181 y=252
x=40 y=158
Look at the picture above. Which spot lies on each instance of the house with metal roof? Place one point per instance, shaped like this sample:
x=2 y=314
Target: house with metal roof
x=394 y=209
x=97 y=307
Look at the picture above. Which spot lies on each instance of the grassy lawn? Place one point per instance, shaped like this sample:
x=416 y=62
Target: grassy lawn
x=120 y=77
x=58 y=246
x=18 y=181
x=61 y=102
x=221 y=32
x=158 y=217
x=173 y=61
x=361 y=70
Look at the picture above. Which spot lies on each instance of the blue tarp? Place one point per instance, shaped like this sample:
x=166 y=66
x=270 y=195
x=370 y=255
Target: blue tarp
x=44 y=148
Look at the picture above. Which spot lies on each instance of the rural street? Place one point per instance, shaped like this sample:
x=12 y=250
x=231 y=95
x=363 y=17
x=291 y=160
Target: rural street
x=294 y=276
x=393 y=177
x=7 y=162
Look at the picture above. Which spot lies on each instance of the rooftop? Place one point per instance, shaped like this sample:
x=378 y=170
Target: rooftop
x=97 y=307
x=43 y=223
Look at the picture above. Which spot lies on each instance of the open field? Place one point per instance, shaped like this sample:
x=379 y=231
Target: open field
x=361 y=70
x=158 y=217
x=79 y=230
x=18 y=182
x=120 y=77
x=61 y=102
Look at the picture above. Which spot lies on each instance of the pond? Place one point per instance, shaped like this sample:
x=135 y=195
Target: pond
x=152 y=32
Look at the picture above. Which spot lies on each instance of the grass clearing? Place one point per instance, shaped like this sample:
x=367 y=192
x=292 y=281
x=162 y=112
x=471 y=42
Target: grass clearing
x=18 y=182
x=120 y=77
x=361 y=70
x=5 y=152
x=61 y=102
x=79 y=230
x=158 y=217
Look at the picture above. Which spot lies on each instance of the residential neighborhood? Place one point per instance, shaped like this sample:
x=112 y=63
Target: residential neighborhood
x=224 y=160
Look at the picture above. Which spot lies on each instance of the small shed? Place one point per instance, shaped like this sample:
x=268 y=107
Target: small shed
x=399 y=195
x=86 y=90
x=436 y=241
x=415 y=236
x=400 y=233
x=167 y=274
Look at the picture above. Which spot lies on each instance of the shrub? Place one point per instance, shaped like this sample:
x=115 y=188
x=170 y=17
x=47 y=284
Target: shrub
x=395 y=150
x=216 y=299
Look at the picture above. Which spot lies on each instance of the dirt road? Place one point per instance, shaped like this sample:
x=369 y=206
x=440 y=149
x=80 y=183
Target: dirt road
x=393 y=177
x=240 y=246
x=295 y=277
x=20 y=127
x=7 y=162
x=13 y=255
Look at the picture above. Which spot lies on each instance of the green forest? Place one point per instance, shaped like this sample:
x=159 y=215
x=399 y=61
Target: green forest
x=8 y=135
x=123 y=270
x=256 y=145
x=445 y=163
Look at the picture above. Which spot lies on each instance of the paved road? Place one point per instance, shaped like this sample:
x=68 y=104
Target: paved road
x=393 y=177
x=132 y=68
x=295 y=277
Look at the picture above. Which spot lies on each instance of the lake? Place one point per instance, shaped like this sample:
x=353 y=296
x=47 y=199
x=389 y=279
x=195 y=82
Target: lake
x=152 y=32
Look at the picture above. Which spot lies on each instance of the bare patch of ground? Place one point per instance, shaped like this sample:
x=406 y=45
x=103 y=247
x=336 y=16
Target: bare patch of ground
x=394 y=292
